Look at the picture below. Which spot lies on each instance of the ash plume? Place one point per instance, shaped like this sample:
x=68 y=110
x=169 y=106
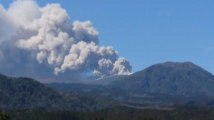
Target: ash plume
x=43 y=41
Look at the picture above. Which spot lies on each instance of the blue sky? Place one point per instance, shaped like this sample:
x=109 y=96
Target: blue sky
x=150 y=31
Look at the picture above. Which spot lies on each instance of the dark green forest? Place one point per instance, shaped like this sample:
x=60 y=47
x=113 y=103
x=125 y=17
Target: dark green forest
x=117 y=113
x=4 y=116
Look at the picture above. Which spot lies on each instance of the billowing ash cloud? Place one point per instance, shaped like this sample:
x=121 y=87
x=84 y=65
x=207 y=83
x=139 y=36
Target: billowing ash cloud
x=36 y=40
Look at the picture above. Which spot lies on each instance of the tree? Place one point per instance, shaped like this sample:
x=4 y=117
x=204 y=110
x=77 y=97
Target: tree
x=4 y=116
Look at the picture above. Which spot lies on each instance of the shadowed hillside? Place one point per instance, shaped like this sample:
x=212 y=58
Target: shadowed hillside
x=25 y=93
x=117 y=113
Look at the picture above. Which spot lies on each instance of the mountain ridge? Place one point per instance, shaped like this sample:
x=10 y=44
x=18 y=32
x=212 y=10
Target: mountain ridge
x=167 y=73
x=164 y=84
x=27 y=93
x=160 y=84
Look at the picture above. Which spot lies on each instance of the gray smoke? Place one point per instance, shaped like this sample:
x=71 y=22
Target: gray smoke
x=37 y=40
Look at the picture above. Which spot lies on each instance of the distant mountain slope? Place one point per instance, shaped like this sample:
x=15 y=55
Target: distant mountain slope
x=161 y=84
x=182 y=79
x=104 y=81
x=25 y=93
